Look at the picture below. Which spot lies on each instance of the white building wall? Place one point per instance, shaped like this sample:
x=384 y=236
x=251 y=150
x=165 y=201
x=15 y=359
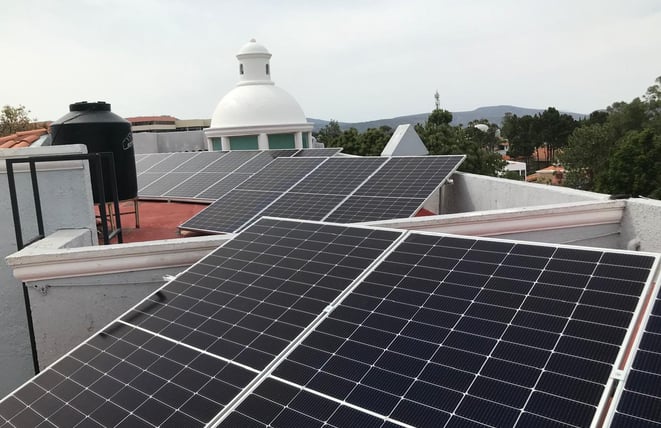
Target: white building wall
x=67 y=202
x=471 y=192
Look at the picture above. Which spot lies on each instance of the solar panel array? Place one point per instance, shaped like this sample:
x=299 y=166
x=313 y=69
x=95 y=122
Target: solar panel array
x=640 y=401
x=342 y=190
x=296 y=323
x=205 y=176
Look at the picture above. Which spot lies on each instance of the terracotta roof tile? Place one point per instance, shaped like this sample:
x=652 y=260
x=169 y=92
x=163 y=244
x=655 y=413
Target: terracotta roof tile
x=22 y=138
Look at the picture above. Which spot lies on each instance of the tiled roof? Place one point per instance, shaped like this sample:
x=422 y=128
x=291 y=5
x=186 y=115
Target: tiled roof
x=22 y=138
x=151 y=118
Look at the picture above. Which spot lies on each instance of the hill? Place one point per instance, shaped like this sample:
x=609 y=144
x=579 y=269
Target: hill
x=493 y=114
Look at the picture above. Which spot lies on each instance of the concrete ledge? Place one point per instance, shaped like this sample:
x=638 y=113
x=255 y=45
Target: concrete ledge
x=516 y=220
x=53 y=257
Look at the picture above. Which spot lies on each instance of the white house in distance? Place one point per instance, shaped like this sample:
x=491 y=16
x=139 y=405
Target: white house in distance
x=256 y=114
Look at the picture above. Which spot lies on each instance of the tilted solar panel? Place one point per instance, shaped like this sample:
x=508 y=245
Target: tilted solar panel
x=195 y=185
x=372 y=208
x=497 y=333
x=200 y=161
x=326 y=152
x=262 y=159
x=281 y=174
x=410 y=176
x=173 y=161
x=185 y=352
x=640 y=400
x=149 y=161
x=359 y=180
x=339 y=176
x=296 y=323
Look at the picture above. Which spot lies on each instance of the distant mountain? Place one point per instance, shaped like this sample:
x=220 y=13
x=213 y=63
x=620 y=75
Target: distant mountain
x=493 y=114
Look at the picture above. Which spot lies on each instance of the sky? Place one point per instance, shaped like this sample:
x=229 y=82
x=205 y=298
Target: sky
x=349 y=60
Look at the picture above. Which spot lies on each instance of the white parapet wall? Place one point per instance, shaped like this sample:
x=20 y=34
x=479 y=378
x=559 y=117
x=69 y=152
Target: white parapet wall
x=66 y=202
x=471 y=192
x=76 y=289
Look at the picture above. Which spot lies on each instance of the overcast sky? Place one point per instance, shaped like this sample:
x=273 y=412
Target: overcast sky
x=350 y=60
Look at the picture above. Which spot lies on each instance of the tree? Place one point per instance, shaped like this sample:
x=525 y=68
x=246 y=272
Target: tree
x=521 y=134
x=586 y=156
x=635 y=167
x=330 y=133
x=14 y=119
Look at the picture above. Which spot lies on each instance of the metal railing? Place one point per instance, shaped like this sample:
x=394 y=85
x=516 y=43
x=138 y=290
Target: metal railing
x=98 y=185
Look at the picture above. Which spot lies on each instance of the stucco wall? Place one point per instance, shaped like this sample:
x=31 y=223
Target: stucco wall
x=166 y=142
x=66 y=200
x=471 y=192
x=641 y=225
x=83 y=305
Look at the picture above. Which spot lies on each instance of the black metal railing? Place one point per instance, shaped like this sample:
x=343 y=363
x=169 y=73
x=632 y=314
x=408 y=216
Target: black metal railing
x=98 y=185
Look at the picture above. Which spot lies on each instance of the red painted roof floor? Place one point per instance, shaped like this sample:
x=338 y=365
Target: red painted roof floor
x=158 y=220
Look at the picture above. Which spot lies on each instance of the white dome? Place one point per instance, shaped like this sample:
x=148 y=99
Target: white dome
x=257 y=105
x=252 y=47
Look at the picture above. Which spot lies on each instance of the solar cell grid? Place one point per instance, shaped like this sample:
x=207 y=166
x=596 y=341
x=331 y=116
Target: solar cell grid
x=195 y=184
x=326 y=152
x=302 y=206
x=440 y=331
x=339 y=176
x=451 y=347
x=263 y=159
x=172 y=161
x=126 y=377
x=164 y=184
x=231 y=211
x=640 y=400
x=281 y=174
x=410 y=177
x=251 y=297
x=222 y=186
x=145 y=179
x=150 y=160
x=198 y=162
x=231 y=161
x=372 y=208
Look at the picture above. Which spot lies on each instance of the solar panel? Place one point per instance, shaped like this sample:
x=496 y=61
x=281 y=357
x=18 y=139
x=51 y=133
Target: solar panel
x=173 y=161
x=231 y=161
x=200 y=161
x=223 y=186
x=262 y=159
x=195 y=185
x=231 y=211
x=454 y=331
x=339 y=176
x=326 y=152
x=640 y=400
x=410 y=177
x=146 y=178
x=150 y=160
x=295 y=323
x=302 y=206
x=127 y=377
x=250 y=298
x=281 y=174
x=236 y=309
x=373 y=208
x=165 y=183
x=352 y=177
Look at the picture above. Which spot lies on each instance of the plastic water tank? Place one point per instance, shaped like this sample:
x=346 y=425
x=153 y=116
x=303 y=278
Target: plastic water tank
x=94 y=125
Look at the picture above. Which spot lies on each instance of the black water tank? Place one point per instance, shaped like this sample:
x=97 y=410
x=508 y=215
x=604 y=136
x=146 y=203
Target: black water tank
x=94 y=125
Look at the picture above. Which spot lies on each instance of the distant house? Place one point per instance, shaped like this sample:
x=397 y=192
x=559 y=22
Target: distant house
x=166 y=123
x=553 y=174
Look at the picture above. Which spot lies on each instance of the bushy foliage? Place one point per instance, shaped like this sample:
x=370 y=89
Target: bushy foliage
x=618 y=151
